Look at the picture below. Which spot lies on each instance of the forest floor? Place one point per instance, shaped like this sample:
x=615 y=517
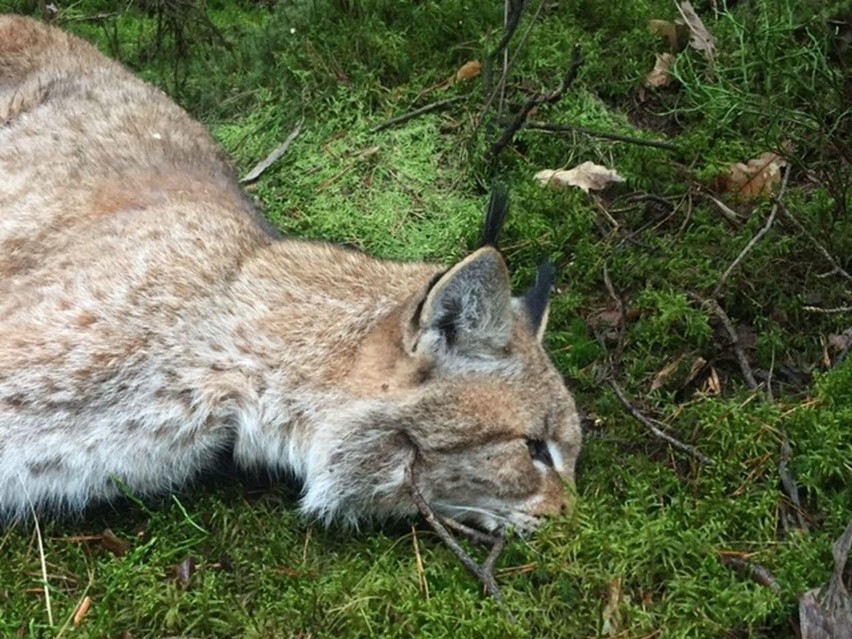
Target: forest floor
x=710 y=288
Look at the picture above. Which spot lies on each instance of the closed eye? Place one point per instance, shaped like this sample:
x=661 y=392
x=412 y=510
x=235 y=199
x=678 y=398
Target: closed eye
x=539 y=451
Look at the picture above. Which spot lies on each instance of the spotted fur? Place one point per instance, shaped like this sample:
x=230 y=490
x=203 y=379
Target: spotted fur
x=149 y=320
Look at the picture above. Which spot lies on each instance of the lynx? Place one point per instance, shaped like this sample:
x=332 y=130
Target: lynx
x=150 y=321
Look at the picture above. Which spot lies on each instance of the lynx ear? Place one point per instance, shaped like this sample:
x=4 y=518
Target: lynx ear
x=468 y=309
x=536 y=301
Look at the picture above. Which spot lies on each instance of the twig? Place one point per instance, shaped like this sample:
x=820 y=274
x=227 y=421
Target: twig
x=828 y=311
x=513 y=19
x=649 y=424
x=43 y=563
x=828 y=256
x=485 y=572
x=405 y=117
x=719 y=312
x=508 y=66
x=273 y=157
x=535 y=125
x=757 y=572
x=787 y=481
x=537 y=100
x=474 y=535
x=421 y=572
x=763 y=231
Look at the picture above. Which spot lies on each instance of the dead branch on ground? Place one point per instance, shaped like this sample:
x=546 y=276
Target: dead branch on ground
x=713 y=306
x=428 y=108
x=537 y=100
x=763 y=231
x=483 y=572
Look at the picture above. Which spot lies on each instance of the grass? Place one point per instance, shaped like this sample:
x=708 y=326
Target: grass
x=642 y=554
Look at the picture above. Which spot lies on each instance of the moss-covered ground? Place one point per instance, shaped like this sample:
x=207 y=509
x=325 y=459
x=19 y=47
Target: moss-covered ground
x=644 y=553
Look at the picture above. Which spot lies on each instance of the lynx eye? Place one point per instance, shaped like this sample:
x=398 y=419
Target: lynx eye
x=539 y=451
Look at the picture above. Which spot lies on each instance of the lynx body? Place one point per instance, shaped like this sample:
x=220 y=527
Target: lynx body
x=149 y=320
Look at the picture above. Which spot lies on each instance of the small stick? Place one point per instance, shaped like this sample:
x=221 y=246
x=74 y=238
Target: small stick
x=719 y=312
x=484 y=572
x=43 y=563
x=828 y=256
x=828 y=311
x=535 y=125
x=506 y=68
x=649 y=424
x=757 y=236
x=421 y=572
x=757 y=572
x=537 y=100
x=474 y=535
x=273 y=157
x=787 y=481
x=405 y=117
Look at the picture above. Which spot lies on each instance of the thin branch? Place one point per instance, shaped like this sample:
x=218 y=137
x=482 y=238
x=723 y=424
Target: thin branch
x=273 y=157
x=43 y=563
x=537 y=100
x=473 y=534
x=405 y=117
x=507 y=67
x=651 y=426
x=787 y=481
x=485 y=572
x=513 y=20
x=757 y=572
x=763 y=231
x=719 y=312
x=828 y=256
x=535 y=125
x=828 y=311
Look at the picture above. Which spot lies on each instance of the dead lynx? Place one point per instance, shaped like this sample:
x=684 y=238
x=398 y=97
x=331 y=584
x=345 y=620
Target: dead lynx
x=149 y=320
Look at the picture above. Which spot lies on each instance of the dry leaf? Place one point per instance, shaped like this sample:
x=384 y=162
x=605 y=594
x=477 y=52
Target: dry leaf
x=697 y=366
x=755 y=178
x=661 y=74
x=115 y=544
x=611 y=616
x=82 y=610
x=840 y=342
x=699 y=37
x=675 y=32
x=826 y=613
x=183 y=572
x=713 y=384
x=468 y=70
x=661 y=378
x=588 y=176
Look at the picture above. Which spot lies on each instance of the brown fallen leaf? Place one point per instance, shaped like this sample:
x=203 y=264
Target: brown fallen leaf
x=115 y=544
x=697 y=366
x=183 y=572
x=840 y=342
x=756 y=178
x=612 y=616
x=661 y=74
x=700 y=38
x=713 y=385
x=587 y=176
x=826 y=613
x=82 y=610
x=666 y=373
x=468 y=70
x=677 y=33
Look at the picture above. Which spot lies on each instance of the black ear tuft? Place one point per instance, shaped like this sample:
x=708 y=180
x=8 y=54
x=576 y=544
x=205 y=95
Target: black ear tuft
x=537 y=299
x=495 y=215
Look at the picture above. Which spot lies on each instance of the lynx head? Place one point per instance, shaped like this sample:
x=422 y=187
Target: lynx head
x=456 y=384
